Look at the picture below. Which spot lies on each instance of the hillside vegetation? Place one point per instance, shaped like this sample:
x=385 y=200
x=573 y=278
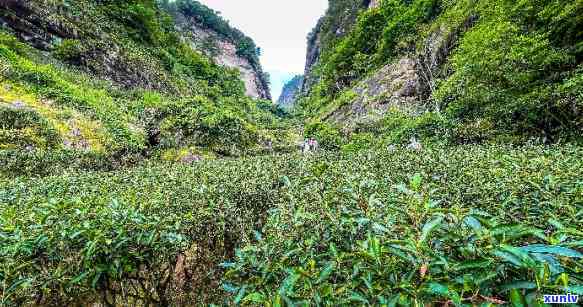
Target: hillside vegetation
x=135 y=170
x=119 y=84
x=482 y=70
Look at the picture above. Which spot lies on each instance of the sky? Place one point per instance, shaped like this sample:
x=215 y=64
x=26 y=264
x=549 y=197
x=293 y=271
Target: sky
x=278 y=27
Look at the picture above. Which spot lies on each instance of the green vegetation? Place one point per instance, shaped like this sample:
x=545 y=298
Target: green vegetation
x=179 y=102
x=338 y=20
x=456 y=223
x=516 y=79
x=103 y=232
x=515 y=67
x=373 y=40
x=469 y=225
x=134 y=170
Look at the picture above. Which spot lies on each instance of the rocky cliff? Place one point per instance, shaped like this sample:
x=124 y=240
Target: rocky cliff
x=471 y=70
x=224 y=49
x=337 y=21
x=291 y=91
x=78 y=35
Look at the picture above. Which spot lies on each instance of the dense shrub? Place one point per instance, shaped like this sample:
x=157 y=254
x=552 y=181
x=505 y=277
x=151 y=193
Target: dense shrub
x=373 y=41
x=48 y=162
x=502 y=70
x=150 y=235
x=466 y=225
x=359 y=142
x=21 y=127
x=398 y=127
x=70 y=51
x=511 y=78
x=375 y=226
x=328 y=136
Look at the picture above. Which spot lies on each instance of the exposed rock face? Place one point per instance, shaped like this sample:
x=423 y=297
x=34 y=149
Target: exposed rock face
x=312 y=56
x=337 y=22
x=224 y=52
x=44 y=25
x=436 y=50
x=291 y=91
x=31 y=25
x=395 y=85
x=407 y=83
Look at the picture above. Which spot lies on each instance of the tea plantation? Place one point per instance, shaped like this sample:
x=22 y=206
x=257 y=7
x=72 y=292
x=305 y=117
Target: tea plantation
x=445 y=165
x=468 y=225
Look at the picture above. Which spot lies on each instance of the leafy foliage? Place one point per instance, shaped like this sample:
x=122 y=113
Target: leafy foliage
x=65 y=113
x=372 y=42
x=409 y=229
x=327 y=135
x=92 y=212
x=108 y=237
x=512 y=77
x=500 y=68
x=333 y=228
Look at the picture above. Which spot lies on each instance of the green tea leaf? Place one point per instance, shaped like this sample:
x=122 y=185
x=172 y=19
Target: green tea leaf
x=429 y=227
x=254 y=297
x=519 y=285
x=326 y=272
x=516 y=298
x=556 y=250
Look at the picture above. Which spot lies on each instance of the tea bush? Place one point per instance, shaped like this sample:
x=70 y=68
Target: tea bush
x=24 y=127
x=91 y=214
x=149 y=235
x=327 y=135
x=465 y=226
x=468 y=224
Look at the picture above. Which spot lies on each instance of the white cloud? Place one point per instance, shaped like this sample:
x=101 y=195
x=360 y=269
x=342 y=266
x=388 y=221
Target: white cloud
x=279 y=27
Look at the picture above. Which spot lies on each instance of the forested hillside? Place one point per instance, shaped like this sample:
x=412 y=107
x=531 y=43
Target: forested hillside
x=91 y=83
x=431 y=155
x=457 y=71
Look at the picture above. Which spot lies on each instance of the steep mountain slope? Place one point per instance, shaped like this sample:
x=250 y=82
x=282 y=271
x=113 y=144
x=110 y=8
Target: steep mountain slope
x=208 y=32
x=339 y=18
x=100 y=38
x=444 y=162
x=291 y=91
x=460 y=71
x=124 y=80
